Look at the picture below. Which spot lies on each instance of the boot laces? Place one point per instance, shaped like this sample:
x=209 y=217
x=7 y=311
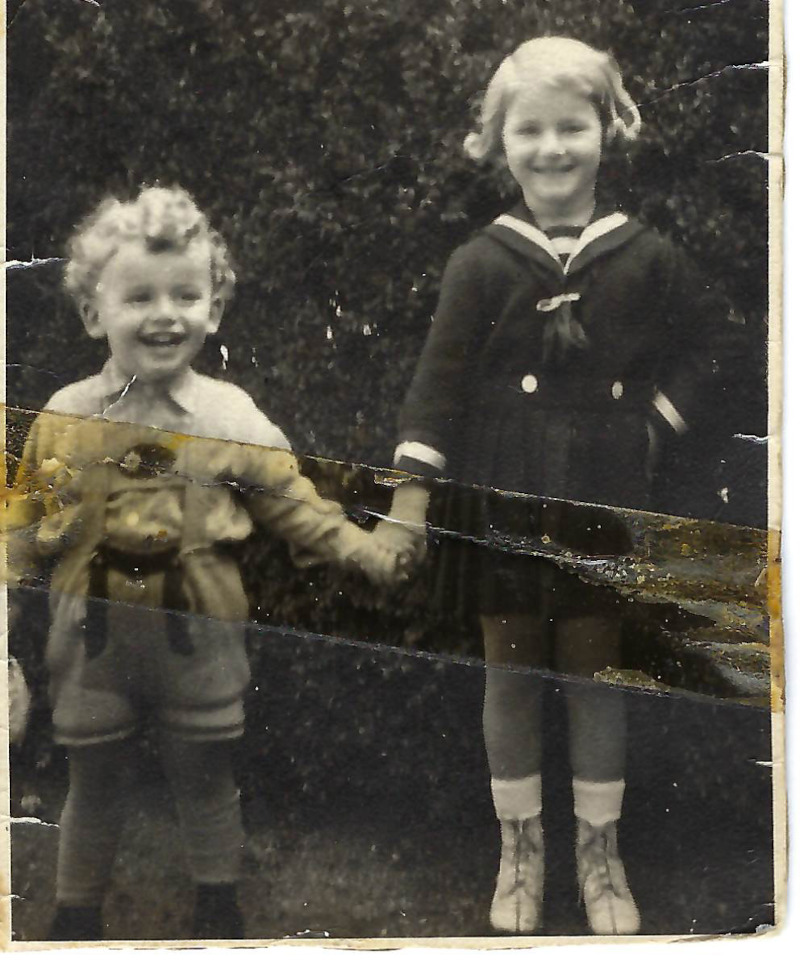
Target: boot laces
x=597 y=856
x=526 y=849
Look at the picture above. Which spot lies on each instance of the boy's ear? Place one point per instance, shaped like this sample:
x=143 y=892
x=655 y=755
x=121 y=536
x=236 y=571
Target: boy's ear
x=215 y=315
x=91 y=319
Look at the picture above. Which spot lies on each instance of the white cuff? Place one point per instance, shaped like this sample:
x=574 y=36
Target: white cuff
x=421 y=453
x=598 y=803
x=516 y=799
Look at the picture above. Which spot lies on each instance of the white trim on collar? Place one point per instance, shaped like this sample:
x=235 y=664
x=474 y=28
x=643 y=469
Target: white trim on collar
x=592 y=232
x=532 y=233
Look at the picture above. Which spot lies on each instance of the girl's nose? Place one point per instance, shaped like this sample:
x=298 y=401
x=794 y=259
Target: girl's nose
x=551 y=143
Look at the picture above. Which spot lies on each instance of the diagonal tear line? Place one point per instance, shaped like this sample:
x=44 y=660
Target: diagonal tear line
x=750 y=153
x=432 y=657
x=764 y=65
x=15 y=264
x=32 y=820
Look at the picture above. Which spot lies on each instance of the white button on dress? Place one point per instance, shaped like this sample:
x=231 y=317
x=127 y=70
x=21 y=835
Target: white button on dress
x=617 y=390
x=530 y=383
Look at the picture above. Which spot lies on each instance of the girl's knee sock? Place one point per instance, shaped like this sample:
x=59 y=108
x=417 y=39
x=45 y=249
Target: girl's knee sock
x=512 y=712
x=598 y=803
x=597 y=731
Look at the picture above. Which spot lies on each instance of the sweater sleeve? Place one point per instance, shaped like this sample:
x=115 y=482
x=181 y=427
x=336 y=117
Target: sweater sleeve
x=701 y=340
x=33 y=495
x=431 y=415
x=280 y=498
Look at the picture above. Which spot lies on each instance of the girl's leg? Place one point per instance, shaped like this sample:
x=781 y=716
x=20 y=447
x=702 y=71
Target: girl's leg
x=512 y=708
x=201 y=776
x=597 y=736
x=597 y=752
x=91 y=824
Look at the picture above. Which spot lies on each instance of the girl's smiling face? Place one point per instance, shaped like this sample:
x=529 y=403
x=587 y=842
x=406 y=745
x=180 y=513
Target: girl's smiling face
x=154 y=308
x=553 y=142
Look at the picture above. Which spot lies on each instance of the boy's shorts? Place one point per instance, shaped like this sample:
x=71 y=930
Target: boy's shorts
x=103 y=692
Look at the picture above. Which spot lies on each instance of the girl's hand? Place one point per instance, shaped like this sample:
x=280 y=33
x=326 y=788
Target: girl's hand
x=384 y=562
x=403 y=529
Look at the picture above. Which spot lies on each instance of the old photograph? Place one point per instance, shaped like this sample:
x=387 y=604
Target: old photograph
x=391 y=518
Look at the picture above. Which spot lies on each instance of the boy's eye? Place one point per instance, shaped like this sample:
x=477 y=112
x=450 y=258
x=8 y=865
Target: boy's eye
x=188 y=296
x=139 y=297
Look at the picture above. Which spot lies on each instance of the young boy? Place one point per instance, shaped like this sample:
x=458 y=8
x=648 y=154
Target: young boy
x=137 y=479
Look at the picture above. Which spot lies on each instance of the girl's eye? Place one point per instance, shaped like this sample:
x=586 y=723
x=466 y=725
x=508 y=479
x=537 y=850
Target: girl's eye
x=137 y=298
x=188 y=296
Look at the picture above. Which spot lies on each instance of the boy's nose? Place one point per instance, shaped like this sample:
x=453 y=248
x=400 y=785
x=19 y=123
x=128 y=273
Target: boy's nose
x=164 y=309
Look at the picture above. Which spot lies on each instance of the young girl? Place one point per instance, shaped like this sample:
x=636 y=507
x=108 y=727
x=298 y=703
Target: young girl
x=138 y=492
x=568 y=339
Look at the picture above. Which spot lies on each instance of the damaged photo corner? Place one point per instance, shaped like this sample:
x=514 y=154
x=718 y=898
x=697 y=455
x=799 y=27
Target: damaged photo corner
x=392 y=505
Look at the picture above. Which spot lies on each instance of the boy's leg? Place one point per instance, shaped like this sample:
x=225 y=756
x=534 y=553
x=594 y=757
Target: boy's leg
x=598 y=739
x=514 y=647
x=91 y=824
x=201 y=776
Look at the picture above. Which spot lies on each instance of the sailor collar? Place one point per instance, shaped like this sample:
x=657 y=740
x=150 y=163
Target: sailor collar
x=604 y=233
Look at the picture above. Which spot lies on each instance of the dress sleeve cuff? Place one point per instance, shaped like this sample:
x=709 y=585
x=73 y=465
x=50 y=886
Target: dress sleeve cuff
x=418 y=458
x=665 y=408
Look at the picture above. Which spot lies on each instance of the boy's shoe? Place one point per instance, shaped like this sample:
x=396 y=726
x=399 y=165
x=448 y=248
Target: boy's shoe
x=216 y=913
x=76 y=924
x=603 y=887
x=517 y=902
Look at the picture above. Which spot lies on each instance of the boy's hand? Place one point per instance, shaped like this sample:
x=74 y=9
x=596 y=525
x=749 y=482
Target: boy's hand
x=385 y=560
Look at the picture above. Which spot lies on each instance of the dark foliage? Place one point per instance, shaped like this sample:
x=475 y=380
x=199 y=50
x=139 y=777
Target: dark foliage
x=324 y=139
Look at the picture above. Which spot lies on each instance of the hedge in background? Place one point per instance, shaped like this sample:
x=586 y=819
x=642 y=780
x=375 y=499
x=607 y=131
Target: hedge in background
x=324 y=140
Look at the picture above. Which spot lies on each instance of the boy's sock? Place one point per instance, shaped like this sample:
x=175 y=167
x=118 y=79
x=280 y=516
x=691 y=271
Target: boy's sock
x=598 y=803
x=91 y=823
x=216 y=912
x=207 y=799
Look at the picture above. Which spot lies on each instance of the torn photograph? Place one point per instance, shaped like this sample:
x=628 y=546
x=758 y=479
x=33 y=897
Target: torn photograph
x=391 y=514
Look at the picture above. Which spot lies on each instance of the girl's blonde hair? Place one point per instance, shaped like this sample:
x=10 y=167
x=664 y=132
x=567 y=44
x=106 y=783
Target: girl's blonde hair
x=555 y=61
x=164 y=219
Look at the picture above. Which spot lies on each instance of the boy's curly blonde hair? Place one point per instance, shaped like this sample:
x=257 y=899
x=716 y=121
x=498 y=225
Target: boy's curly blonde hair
x=555 y=61
x=164 y=219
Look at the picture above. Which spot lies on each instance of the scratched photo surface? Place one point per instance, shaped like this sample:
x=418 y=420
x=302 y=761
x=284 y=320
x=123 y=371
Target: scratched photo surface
x=387 y=516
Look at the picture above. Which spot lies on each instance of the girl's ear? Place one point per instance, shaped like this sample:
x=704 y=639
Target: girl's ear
x=215 y=314
x=91 y=319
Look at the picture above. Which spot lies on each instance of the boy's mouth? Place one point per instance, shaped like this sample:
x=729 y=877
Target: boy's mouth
x=158 y=339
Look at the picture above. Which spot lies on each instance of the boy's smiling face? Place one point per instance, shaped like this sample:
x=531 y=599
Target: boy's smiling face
x=156 y=309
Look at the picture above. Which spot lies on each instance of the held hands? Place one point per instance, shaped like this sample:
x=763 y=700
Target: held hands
x=384 y=556
x=390 y=553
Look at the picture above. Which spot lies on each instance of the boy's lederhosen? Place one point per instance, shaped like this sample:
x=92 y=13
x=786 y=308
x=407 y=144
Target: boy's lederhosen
x=133 y=640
